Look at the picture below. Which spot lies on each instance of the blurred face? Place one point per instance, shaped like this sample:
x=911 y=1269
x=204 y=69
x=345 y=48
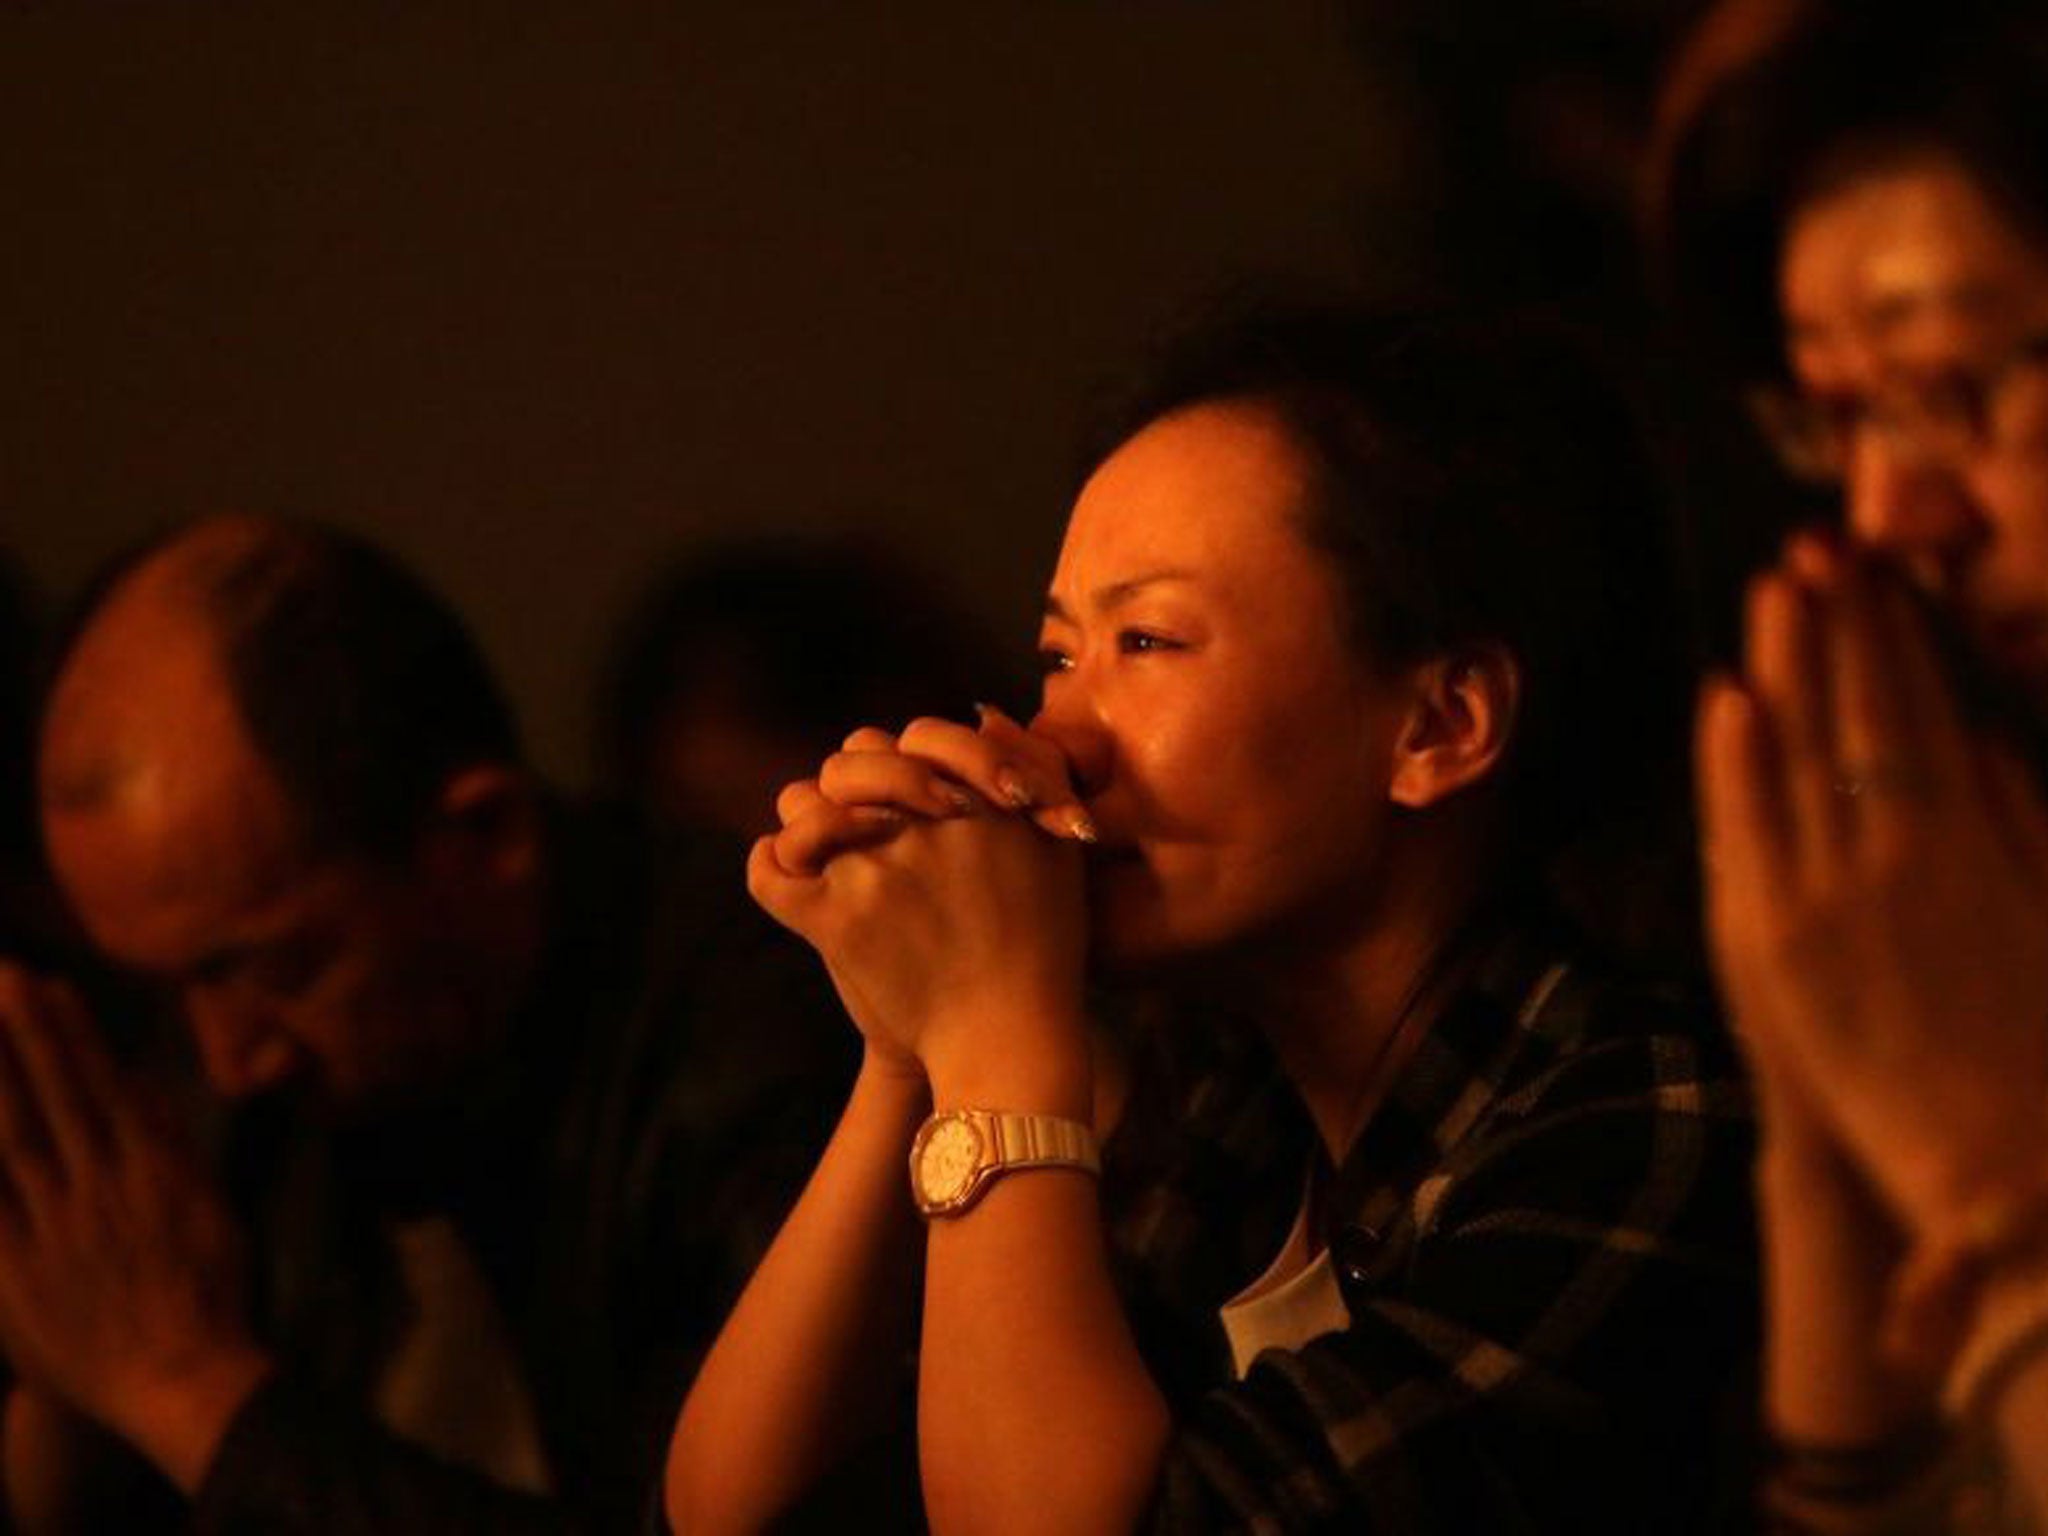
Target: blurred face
x=287 y=967
x=1233 y=751
x=1916 y=319
x=711 y=762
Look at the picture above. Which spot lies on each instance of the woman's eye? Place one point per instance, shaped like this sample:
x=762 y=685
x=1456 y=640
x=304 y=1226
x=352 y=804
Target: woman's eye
x=1051 y=659
x=1136 y=642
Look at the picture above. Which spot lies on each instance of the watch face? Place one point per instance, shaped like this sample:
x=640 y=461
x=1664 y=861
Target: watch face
x=947 y=1162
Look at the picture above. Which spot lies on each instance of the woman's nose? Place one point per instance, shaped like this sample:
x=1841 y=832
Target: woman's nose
x=1070 y=722
x=1908 y=504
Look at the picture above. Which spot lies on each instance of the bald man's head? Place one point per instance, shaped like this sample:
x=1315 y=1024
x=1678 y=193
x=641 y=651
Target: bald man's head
x=143 y=680
x=275 y=775
x=357 y=689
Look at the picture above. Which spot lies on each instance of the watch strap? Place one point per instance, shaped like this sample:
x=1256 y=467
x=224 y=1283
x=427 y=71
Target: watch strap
x=1019 y=1140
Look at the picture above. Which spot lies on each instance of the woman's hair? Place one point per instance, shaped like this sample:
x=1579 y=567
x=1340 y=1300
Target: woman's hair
x=1476 y=483
x=1775 y=100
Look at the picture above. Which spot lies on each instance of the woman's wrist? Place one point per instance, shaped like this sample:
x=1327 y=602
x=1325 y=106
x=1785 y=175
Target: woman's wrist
x=1036 y=1061
x=890 y=1083
x=885 y=1064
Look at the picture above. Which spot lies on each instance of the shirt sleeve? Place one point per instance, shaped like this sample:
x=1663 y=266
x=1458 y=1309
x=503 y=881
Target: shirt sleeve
x=1552 y=1342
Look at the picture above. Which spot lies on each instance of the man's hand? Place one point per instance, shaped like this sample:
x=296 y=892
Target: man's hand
x=122 y=1275
x=1878 y=888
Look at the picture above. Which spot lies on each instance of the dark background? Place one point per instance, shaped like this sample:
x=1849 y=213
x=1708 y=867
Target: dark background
x=540 y=294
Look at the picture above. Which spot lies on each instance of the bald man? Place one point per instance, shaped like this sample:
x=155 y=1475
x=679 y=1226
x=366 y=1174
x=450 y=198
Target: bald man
x=566 y=1093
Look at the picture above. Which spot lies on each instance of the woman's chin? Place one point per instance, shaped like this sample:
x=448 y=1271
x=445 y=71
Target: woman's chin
x=1126 y=934
x=1135 y=930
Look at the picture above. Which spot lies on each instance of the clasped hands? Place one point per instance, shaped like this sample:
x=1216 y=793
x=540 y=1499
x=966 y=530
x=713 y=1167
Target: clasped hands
x=122 y=1274
x=1877 y=894
x=937 y=873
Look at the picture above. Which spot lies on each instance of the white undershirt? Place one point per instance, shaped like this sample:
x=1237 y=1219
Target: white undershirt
x=454 y=1384
x=1295 y=1300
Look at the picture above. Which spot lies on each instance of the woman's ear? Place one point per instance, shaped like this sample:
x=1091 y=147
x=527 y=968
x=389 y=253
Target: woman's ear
x=1460 y=720
x=486 y=825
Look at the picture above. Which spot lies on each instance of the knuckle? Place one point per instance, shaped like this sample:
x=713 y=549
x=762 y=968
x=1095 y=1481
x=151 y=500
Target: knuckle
x=760 y=863
x=937 y=739
x=845 y=773
x=792 y=848
x=794 y=798
x=921 y=732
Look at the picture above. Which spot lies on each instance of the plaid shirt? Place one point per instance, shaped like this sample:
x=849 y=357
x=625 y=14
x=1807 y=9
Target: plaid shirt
x=1544 y=1240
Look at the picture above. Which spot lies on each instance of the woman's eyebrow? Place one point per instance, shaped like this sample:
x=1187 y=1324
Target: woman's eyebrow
x=1117 y=593
x=1899 y=305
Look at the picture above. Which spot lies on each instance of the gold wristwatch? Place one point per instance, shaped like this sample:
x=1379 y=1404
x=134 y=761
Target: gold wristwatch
x=958 y=1153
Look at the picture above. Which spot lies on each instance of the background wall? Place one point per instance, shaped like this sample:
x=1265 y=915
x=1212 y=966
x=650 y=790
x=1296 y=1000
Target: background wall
x=539 y=293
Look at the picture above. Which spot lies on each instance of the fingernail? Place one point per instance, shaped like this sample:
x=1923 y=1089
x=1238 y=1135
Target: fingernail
x=1015 y=790
x=1082 y=827
x=877 y=813
x=961 y=801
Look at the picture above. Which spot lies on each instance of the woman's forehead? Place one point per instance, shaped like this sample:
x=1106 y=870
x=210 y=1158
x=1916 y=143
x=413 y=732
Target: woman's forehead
x=1193 y=494
x=1905 y=252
